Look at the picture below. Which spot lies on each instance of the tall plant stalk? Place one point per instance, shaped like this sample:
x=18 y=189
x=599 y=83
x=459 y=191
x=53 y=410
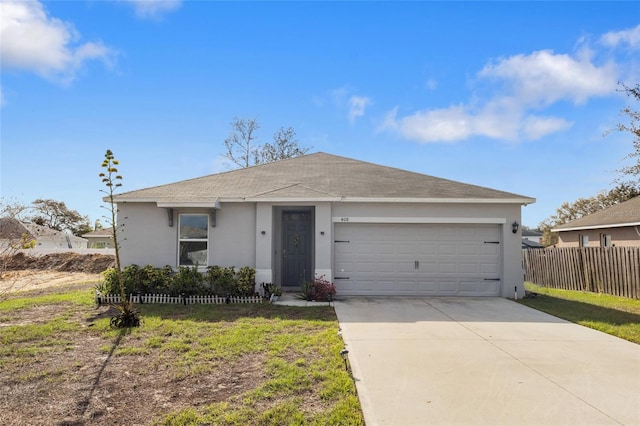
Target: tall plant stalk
x=128 y=316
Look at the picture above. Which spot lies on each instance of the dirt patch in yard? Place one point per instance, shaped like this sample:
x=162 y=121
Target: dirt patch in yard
x=61 y=262
x=23 y=272
x=82 y=378
x=84 y=373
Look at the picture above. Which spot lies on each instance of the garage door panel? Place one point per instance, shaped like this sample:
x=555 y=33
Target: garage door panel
x=468 y=249
x=418 y=259
x=428 y=267
x=406 y=249
x=427 y=249
x=406 y=267
x=447 y=268
x=448 y=288
x=447 y=248
x=488 y=268
x=489 y=249
x=468 y=268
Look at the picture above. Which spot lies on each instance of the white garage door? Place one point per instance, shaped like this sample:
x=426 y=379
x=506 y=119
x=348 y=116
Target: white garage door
x=417 y=259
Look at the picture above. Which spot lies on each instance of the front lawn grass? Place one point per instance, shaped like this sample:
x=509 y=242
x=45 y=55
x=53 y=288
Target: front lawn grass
x=187 y=365
x=614 y=315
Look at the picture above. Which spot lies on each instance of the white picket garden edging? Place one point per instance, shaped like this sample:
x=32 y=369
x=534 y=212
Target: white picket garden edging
x=107 y=299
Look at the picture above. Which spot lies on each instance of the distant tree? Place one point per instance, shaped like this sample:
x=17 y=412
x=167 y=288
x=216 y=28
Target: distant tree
x=13 y=240
x=128 y=316
x=632 y=127
x=244 y=150
x=241 y=143
x=56 y=215
x=285 y=145
x=581 y=207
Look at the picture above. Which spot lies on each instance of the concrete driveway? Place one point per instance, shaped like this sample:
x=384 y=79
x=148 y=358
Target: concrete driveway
x=441 y=361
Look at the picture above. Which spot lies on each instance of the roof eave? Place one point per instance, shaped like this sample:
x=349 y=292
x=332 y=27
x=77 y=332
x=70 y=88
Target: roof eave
x=584 y=228
x=216 y=203
x=522 y=201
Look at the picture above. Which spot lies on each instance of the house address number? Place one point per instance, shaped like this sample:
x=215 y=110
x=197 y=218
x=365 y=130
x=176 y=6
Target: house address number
x=344 y=219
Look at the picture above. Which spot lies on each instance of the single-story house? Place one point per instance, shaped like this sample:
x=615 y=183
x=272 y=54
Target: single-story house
x=618 y=225
x=100 y=238
x=371 y=229
x=12 y=230
x=529 y=235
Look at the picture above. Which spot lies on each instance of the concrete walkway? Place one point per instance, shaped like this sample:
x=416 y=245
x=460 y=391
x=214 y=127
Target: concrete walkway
x=471 y=361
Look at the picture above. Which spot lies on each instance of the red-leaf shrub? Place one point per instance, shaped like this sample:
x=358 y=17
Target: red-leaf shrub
x=323 y=289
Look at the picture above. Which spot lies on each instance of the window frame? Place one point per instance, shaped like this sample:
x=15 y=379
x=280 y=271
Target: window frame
x=584 y=240
x=192 y=240
x=606 y=240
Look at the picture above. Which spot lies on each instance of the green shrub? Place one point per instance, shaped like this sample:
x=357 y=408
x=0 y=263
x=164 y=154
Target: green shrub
x=140 y=280
x=156 y=280
x=109 y=285
x=222 y=280
x=188 y=281
x=247 y=281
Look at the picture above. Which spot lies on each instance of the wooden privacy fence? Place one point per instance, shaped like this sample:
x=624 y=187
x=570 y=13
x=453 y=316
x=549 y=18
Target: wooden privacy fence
x=184 y=300
x=610 y=270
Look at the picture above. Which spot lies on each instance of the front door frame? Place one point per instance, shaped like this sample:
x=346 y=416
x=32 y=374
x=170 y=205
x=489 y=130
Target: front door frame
x=279 y=214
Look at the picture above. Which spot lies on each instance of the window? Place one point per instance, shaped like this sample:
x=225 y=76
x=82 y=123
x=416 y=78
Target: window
x=605 y=240
x=584 y=241
x=193 y=237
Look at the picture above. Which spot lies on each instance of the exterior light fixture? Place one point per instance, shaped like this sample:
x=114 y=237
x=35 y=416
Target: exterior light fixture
x=344 y=354
x=514 y=226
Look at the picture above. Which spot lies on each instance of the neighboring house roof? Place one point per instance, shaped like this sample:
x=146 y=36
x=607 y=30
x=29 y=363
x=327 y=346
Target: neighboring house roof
x=530 y=244
x=530 y=233
x=99 y=233
x=40 y=231
x=321 y=177
x=619 y=215
x=11 y=229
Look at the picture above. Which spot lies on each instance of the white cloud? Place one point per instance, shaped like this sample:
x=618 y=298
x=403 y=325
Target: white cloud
x=154 y=9
x=534 y=127
x=34 y=41
x=543 y=77
x=630 y=36
x=458 y=123
x=524 y=83
x=357 y=105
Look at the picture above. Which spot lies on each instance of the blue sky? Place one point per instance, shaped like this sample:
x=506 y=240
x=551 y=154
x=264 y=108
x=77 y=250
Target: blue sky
x=511 y=95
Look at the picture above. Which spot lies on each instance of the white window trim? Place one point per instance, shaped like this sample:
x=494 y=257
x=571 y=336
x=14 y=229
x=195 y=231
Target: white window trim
x=193 y=240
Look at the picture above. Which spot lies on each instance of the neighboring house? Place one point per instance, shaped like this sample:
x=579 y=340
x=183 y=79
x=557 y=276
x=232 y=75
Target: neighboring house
x=12 y=230
x=528 y=244
x=371 y=229
x=528 y=234
x=101 y=238
x=618 y=225
x=531 y=239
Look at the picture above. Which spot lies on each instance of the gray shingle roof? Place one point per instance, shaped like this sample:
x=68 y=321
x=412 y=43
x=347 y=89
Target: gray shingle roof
x=530 y=233
x=104 y=232
x=623 y=214
x=316 y=177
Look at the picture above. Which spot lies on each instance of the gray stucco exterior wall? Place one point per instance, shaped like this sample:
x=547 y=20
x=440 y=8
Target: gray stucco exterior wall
x=246 y=233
